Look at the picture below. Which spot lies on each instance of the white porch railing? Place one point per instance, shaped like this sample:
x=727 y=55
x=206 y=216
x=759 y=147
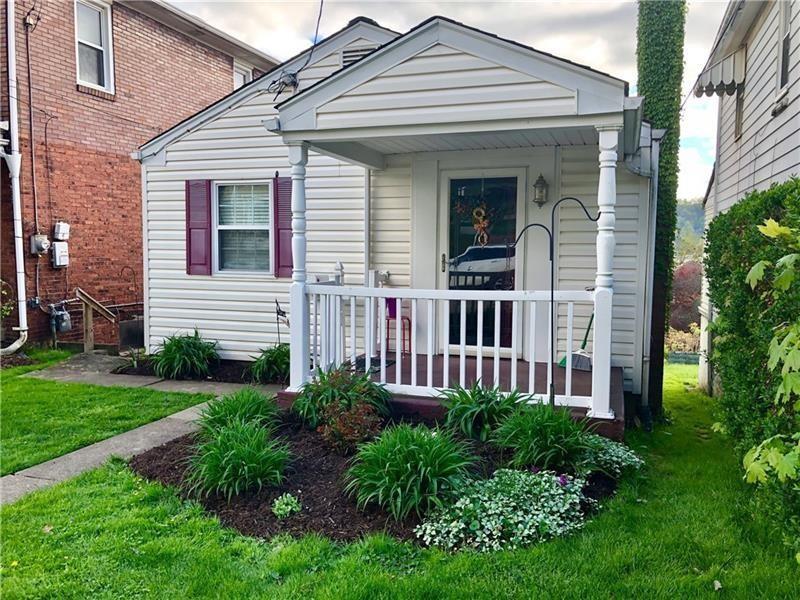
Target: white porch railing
x=349 y=324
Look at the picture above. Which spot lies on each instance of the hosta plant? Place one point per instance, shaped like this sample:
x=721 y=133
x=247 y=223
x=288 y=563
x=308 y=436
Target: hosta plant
x=341 y=386
x=285 y=505
x=185 y=357
x=607 y=456
x=542 y=436
x=238 y=457
x=272 y=365
x=408 y=469
x=476 y=411
x=246 y=404
x=511 y=510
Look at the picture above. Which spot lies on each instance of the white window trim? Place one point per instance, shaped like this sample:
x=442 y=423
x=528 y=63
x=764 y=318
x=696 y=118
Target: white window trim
x=244 y=68
x=784 y=29
x=108 y=50
x=216 y=227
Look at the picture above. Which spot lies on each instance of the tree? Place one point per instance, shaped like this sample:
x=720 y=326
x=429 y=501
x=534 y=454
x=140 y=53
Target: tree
x=659 y=61
x=686 y=290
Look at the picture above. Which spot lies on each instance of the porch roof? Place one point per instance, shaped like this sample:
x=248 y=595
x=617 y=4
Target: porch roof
x=446 y=86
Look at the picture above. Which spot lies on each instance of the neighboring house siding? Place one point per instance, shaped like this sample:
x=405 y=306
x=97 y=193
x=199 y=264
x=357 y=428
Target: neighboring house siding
x=238 y=311
x=768 y=150
x=85 y=175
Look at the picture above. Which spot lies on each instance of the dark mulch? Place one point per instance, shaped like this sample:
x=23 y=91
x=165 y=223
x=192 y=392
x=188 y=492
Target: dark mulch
x=315 y=478
x=16 y=360
x=226 y=371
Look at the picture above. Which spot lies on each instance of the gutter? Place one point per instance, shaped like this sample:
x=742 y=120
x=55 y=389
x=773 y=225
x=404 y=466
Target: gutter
x=13 y=161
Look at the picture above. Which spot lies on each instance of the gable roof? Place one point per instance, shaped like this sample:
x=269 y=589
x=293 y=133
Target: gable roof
x=593 y=91
x=194 y=27
x=360 y=27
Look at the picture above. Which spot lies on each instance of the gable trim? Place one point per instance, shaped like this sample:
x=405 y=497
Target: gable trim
x=358 y=28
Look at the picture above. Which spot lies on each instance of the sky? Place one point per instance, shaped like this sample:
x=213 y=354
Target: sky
x=600 y=34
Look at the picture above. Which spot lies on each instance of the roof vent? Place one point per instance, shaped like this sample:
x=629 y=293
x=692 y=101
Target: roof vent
x=351 y=55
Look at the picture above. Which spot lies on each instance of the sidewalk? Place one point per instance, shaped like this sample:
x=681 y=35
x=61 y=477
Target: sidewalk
x=95 y=369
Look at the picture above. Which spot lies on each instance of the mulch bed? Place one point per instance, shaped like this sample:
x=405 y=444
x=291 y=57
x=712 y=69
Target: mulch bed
x=315 y=477
x=225 y=371
x=16 y=360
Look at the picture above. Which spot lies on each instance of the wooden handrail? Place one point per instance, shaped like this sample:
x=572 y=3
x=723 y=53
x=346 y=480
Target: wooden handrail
x=90 y=306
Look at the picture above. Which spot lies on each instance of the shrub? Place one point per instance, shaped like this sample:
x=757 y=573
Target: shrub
x=542 y=436
x=285 y=505
x=272 y=365
x=512 y=510
x=340 y=386
x=687 y=283
x=683 y=341
x=477 y=411
x=184 y=357
x=408 y=469
x=237 y=457
x=608 y=456
x=248 y=405
x=345 y=428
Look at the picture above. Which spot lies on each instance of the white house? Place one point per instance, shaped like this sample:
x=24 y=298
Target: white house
x=416 y=163
x=754 y=68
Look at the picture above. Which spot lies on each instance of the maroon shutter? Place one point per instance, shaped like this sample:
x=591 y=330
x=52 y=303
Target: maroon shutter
x=198 y=227
x=283 y=226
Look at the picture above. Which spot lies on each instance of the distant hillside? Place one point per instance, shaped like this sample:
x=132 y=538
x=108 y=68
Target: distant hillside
x=690 y=216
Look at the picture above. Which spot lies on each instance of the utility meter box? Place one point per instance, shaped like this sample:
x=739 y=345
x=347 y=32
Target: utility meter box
x=39 y=244
x=60 y=255
x=61 y=231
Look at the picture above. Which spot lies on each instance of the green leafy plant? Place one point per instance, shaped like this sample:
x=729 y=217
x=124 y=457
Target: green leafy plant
x=511 y=510
x=6 y=300
x=286 y=505
x=408 y=469
x=344 y=428
x=272 y=365
x=185 y=357
x=235 y=458
x=607 y=456
x=341 y=386
x=542 y=436
x=247 y=404
x=476 y=411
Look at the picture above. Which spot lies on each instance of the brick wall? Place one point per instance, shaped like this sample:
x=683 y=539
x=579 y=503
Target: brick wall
x=84 y=173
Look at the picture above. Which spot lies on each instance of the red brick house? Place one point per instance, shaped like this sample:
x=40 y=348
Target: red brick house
x=96 y=78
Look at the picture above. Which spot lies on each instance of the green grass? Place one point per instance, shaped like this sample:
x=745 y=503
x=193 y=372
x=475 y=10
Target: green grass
x=668 y=534
x=40 y=419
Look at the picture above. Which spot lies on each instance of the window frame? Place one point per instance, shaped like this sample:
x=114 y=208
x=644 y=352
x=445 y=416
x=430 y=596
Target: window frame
x=107 y=49
x=216 y=228
x=784 y=32
x=244 y=69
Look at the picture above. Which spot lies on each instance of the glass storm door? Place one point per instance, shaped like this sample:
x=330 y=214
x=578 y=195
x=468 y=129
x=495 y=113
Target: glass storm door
x=482 y=227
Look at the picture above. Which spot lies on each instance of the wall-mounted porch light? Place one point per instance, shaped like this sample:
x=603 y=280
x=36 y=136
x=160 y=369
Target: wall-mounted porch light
x=540 y=191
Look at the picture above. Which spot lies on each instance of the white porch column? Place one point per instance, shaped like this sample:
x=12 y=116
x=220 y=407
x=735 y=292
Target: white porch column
x=604 y=279
x=299 y=337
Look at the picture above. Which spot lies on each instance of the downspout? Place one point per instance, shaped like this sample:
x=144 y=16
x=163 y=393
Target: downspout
x=13 y=161
x=367 y=220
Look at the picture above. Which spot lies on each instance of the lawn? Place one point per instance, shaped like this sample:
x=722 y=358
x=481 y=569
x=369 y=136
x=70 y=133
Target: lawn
x=671 y=533
x=40 y=420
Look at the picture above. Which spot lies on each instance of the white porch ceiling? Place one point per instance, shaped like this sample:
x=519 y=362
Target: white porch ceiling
x=571 y=136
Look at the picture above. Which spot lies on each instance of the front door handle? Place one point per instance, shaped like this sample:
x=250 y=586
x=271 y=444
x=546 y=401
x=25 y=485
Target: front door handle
x=444 y=262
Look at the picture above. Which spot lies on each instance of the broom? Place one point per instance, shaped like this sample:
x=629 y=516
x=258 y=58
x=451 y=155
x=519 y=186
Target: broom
x=581 y=359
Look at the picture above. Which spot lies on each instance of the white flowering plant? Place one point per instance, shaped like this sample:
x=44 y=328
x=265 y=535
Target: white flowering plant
x=511 y=510
x=607 y=456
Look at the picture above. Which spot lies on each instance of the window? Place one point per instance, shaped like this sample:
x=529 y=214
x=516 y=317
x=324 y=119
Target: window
x=93 y=45
x=241 y=74
x=784 y=43
x=242 y=227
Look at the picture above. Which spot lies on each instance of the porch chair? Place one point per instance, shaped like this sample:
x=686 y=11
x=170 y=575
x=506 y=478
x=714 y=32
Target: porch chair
x=405 y=324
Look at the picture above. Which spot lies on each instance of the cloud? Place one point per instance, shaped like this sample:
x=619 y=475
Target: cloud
x=599 y=33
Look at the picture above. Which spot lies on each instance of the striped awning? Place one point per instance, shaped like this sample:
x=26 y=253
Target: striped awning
x=723 y=77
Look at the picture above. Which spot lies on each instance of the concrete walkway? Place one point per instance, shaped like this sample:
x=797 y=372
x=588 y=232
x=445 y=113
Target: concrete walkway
x=95 y=369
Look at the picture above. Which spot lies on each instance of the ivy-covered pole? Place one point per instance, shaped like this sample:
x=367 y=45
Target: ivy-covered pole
x=659 y=61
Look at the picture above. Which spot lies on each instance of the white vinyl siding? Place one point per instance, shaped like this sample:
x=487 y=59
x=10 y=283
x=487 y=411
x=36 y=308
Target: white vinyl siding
x=390 y=218
x=768 y=149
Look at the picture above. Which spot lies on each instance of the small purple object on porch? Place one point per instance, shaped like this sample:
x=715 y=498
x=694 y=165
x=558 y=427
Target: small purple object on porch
x=393 y=306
